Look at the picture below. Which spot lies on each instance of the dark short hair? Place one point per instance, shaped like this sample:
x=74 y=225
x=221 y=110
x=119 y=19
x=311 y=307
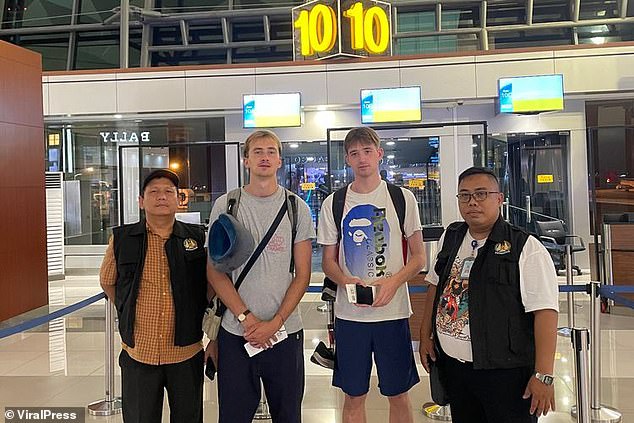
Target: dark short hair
x=160 y=173
x=475 y=170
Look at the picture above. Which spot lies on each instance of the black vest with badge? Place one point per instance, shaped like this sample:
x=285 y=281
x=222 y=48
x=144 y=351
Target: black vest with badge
x=187 y=260
x=502 y=333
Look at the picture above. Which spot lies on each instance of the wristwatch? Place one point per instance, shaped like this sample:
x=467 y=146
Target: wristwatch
x=545 y=379
x=243 y=316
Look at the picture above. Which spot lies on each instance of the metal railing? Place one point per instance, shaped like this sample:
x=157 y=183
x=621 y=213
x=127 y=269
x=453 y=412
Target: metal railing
x=586 y=344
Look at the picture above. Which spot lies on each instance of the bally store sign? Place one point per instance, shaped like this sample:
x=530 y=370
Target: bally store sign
x=354 y=28
x=125 y=137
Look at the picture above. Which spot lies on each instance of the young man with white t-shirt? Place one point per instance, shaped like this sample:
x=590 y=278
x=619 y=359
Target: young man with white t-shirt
x=490 y=318
x=367 y=250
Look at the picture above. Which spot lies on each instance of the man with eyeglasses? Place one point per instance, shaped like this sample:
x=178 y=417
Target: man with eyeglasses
x=490 y=318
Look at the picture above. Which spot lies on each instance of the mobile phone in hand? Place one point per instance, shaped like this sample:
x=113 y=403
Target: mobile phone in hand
x=359 y=294
x=210 y=369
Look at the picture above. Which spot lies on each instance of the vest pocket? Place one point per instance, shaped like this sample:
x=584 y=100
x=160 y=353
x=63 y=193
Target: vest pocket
x=517 y=340
x=195 y=255
x=506 y=268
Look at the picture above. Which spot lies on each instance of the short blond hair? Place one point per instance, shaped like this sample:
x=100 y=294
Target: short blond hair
x=363 y=135
x=256 y=135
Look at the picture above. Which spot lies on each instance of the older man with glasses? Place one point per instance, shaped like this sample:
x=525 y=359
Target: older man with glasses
x=490 y=319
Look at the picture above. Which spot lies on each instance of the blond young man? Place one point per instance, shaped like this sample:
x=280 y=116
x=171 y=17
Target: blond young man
x=266 y=300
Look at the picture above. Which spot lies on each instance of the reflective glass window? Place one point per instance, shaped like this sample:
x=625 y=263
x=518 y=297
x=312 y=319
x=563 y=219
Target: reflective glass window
x=52 y=47
x=522 y=39
x=33 y=13
x=100 y=50
x=177 y=6
x=96 y=11
x=551 y=11
x=599 y=9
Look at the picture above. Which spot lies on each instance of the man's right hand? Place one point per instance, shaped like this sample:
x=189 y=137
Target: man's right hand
x=426 y=351
x=212 y=351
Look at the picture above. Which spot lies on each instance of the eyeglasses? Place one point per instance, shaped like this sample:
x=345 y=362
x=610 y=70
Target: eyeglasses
x=465 y=197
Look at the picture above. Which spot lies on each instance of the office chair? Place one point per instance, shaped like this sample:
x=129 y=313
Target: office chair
x=553 y=235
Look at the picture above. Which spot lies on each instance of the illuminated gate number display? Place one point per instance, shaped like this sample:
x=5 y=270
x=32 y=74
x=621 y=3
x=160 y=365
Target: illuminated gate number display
x=369 y=28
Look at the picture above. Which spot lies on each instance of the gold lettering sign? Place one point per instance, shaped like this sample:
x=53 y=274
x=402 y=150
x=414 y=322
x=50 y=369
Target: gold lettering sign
x=308 y=186
x=329 y=28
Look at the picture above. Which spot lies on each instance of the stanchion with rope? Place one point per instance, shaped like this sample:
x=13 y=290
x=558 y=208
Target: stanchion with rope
x=598 y=413
x=565 y=331
x=111 y=404
x=437 y=412
x=581 y=344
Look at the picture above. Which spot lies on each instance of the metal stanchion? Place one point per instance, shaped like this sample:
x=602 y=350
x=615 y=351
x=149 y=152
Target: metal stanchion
x=570 y=295
x=581 y=344
x=599 y=413
x=507 y=210
x=262 y=413
x=437 y=412
x=607 y=259
x=111 y=404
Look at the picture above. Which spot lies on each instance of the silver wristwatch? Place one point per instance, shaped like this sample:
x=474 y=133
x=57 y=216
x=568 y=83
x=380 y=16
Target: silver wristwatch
x=545 y=379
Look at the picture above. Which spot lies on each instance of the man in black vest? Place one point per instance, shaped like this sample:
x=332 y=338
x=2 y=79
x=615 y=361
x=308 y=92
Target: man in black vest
x=490 y=319
x=155 y=272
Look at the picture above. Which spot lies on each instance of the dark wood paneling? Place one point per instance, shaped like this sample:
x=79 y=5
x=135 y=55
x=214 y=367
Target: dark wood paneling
x=623 y=269
x=21 y=102
x=23 y=271
x=418 y=305
x=622 y=237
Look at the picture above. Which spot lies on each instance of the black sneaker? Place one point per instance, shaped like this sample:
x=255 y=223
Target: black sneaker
x=323 y=356
x=329 y=290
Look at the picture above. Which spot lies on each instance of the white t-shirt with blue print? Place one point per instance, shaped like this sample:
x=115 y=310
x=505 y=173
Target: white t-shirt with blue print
x=370 y=247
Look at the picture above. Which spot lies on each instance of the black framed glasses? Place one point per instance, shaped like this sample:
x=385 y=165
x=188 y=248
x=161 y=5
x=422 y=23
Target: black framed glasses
x=465 y=197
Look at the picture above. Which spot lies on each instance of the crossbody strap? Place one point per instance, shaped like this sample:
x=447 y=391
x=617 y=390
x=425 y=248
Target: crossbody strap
x=261 y=246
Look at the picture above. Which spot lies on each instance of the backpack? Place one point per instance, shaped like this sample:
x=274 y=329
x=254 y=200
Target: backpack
x=398 y=200
x=233 y=203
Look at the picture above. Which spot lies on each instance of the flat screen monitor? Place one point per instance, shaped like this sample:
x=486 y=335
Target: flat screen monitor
x=531 y=94
x=271 y=110
x=391 y=105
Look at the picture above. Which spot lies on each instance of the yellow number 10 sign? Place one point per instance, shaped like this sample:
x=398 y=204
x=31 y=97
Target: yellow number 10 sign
x=327 y=28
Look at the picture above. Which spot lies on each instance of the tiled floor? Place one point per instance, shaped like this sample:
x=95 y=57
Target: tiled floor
x=62 y=363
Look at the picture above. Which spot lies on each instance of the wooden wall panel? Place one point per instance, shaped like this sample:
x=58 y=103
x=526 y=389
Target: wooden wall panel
x=418 y=305
x=23 y=275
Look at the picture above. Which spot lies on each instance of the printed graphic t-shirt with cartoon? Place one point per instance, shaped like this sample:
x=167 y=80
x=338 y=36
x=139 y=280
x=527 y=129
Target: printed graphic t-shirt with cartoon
x=370 y=248
x=452 y=314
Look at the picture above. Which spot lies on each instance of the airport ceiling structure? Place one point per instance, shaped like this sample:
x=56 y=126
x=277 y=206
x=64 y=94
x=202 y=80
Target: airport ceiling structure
x=86 y=34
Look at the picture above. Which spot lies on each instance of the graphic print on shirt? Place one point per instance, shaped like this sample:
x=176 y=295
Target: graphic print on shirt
x=453 y=308
x=366 y=236
x=277 y=244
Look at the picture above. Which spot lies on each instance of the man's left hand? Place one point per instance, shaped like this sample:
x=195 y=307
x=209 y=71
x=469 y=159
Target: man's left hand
x=386 y=290
x=262 y=334
x=543 y=397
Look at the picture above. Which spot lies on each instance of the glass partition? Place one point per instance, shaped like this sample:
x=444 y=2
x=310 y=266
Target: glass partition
x=533 y=173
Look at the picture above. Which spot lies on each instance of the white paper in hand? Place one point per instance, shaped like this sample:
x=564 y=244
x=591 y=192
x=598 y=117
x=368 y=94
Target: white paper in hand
x=280 y=335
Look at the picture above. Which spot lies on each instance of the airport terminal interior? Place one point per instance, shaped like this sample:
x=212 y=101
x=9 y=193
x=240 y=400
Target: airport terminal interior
x=94 y=95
